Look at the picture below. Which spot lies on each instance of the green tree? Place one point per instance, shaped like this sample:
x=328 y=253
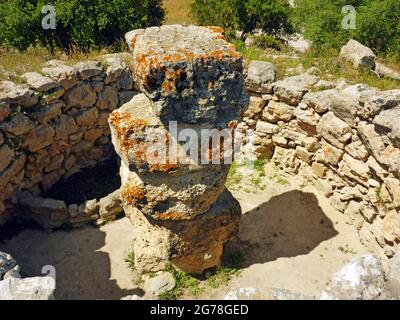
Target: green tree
x=272 y=16
x=82 y=24
x=377 y=23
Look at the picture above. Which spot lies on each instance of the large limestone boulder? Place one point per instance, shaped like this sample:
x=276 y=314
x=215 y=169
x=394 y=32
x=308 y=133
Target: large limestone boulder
x=36 y=288
x=173 y=197
x=191 y=73
x=260 y=75
x=143 y=142
x=191 y=245
x=291 y=90
x=394 y=275
x=361 y=279
x=359 y=55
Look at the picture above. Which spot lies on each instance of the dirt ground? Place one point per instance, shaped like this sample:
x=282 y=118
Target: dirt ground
x=290 y=236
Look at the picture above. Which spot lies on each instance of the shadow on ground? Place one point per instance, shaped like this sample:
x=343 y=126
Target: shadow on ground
x=82 y=270
x=287 y=225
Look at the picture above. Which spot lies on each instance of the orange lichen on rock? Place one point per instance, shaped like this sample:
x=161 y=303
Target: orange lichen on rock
x=124 y=126
x=132 y=194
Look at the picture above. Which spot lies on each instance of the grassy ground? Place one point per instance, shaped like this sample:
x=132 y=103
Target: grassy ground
x=178 y=11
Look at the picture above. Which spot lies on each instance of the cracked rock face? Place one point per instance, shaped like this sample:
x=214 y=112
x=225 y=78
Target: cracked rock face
x=191 y=245
x=173 y=197
x=191 y=73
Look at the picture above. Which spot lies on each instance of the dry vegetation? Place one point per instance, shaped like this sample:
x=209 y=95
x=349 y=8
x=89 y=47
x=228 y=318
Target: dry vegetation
x=178 y=11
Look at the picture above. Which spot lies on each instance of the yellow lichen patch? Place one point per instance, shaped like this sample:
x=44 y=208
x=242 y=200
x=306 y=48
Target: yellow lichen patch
x=168 y=216
x=215 y=29
x=132 y=194
x=124 y=126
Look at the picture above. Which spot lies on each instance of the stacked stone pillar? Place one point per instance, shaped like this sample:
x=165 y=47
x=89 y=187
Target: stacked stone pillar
x=190 y=79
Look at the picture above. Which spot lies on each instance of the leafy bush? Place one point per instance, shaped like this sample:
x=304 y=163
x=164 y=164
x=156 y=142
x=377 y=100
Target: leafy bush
x=82 y=24
x=272 y=16
x=266 y=41
x=377 y=23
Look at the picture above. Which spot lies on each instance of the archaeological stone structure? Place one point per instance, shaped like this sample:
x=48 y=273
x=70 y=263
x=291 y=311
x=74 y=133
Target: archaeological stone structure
x=181 y=209
x=344 y=139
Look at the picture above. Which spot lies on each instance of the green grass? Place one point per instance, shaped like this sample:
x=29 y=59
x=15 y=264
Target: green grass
x=183 y=281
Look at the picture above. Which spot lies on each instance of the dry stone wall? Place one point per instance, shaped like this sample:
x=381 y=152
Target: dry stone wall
x=54 y=124
x=346 y=140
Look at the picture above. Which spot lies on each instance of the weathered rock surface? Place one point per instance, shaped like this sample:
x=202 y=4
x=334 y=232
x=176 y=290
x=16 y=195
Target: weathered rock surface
x=362 y=279
x=173 y=197
x=260 y=75
x=49 y=213
x=394 y=275
x=191 y=245
x=359 y=55
x=158 y=283
x=36 y=288
x=191 y=73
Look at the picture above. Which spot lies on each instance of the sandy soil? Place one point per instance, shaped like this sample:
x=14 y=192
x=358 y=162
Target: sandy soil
x=291 y=237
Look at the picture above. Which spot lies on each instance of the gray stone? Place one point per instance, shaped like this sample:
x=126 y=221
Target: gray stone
x=282 y=294
x=158 y=283
x=173 y=196
x=107 y=99
x=291 y=90
x=7 y=263
x=394 y=275
x=125 y=81
x=385 y=71
x=6 y=155
x=110 y=206
x=131 y=36
x=12 y=93
x=248 y=293
x=361 y=279
x=47 y=112
x=277 y=111
x=192 y=74
x=81 y=96
x=260 y=75
x=334 y=130
x=48 y=213
x=359 y=55
x=39 y=137
x=126 y=96
x=17 y=124
x=38 y=82
x=256 y=105
x=87 y=117
x=389 y=122
x=320 y=101
x=5 y=110
x=87 y=69
x=36 y=288
x=63 y=74
x=64 y=127
x=264 y=127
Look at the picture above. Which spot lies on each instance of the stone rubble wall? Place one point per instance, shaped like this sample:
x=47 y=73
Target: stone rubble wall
x=345 y=140
x=54 y=124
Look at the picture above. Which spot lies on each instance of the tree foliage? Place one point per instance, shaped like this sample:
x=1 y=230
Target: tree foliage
x=82 y=24
x=272 y=16
x=377 y=23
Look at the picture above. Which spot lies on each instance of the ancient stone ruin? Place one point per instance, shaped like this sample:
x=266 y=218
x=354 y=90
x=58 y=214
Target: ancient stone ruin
x=181 y=209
